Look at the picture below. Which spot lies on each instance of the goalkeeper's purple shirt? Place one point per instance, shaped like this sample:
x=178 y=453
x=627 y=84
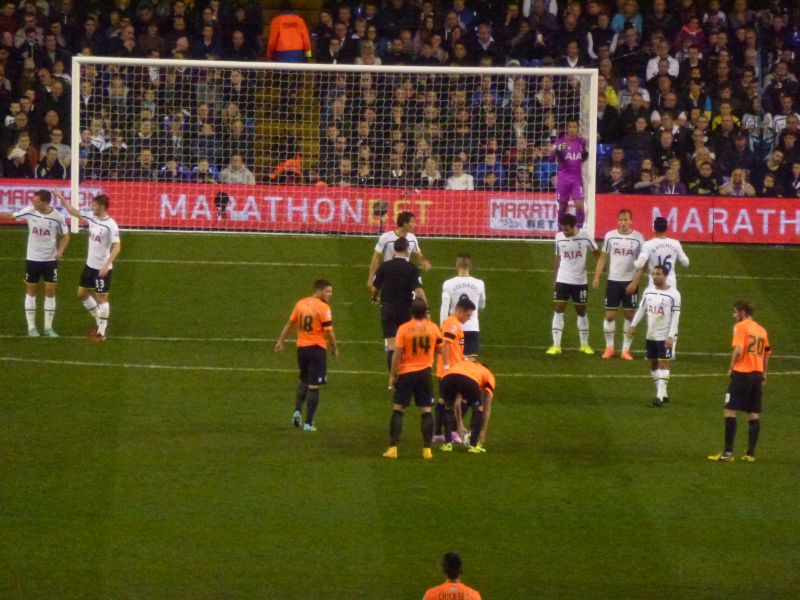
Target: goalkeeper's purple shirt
x=570 y=159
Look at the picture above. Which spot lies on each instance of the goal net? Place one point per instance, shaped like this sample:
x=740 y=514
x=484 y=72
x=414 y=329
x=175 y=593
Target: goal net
x=272 y=147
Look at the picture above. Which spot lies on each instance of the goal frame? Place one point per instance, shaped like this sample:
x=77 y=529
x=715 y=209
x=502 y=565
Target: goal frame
x=590 y=165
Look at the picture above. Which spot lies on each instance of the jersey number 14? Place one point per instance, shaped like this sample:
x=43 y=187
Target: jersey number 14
x=422 y=342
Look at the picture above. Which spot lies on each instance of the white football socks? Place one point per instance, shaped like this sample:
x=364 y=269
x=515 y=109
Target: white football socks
x=663 y=380
x=30 y=311
x=583 y=329
x=626 y=341
x=49 y=312
x=609 y=329
x=558 y=328
x=103 y=310
x=90 y=304
x=655 y=375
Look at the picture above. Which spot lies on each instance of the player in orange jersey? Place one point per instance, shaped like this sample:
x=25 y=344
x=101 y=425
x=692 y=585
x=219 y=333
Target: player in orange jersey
x=748 y=372
x=452 y=352
x=312 y=316
x=416 y=343
x=472 y=383
x=452 y=589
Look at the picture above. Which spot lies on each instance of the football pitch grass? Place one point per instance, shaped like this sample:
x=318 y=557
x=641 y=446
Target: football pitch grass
x=163 y=464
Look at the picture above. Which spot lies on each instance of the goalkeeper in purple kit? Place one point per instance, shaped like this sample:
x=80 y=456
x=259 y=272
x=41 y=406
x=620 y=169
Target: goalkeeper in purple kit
x=570 y=152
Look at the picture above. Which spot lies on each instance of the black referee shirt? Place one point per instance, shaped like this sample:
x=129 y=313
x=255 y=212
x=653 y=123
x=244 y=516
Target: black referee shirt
x=397 y=279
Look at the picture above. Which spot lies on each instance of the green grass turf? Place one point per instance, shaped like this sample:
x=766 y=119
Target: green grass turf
x=119 y=481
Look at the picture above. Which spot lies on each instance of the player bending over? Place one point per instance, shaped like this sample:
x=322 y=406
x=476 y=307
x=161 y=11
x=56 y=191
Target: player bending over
x=572 y=247
x=473 y=384
x=662 y=305
x=570 y=152
x=417 y=342
x=48 y=237
x=314 y=322
x=104 y=247
x=621 y=248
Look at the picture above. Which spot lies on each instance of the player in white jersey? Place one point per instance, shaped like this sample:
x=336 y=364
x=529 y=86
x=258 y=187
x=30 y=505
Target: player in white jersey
x=384 y=249
x=460 y=286
x=662 y=251
x=621 y=248
x=662 y=305
x=572 y=247
x=104 y=247
x=48 y=237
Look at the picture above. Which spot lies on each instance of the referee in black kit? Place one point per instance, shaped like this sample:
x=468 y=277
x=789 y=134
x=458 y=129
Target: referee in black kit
x=397 y=282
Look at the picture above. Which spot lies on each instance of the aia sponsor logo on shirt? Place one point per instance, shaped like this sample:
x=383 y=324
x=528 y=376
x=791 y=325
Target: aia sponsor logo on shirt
x=623 y=252
x=573 y=156
x=573 y=254
x=656 y=310
x=41 y=232
x=95 y=237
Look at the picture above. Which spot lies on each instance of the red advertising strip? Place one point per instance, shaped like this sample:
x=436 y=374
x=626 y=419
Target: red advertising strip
x=708 y=219
x=439 y=212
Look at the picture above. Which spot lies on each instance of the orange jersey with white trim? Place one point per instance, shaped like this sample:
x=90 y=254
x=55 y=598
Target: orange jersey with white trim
x=418 y=339
x=477 y=372
x=313 y=318
x=452 y=591
x=453 y=336
x=754 y=342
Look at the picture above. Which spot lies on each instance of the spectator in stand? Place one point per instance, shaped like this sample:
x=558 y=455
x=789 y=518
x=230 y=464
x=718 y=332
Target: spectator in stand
x=634 y=111
x=203 y=173
x=571 y=57
x=704 y=183
x=430 y=177
x=237 y=50
x=616 y=183
x=632 y=86
x=780 y=82
x=22 y=158
x=672 y=185
x=769 y=187
x=779 y=118
x=737 y=186
x=609 y=127
x=289 y=40
x=628 y=17
x=617 y=159
x=237 y=172
x=460 y=180
x=638 y=144
x=792 y=186
x=208 y=146
x=208 y=46
x=662 y=53
x=50 y=167
x=151 y=40
x=647 y=183
x=144 y=167
x=490 y=164
x=344 y=175
x=367 y=55
x=660 y=19
x=602 y=34
x=57 y=142
x=396 y=176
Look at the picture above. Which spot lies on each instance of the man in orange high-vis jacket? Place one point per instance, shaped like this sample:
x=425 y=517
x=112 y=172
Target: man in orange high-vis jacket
x=289 y=40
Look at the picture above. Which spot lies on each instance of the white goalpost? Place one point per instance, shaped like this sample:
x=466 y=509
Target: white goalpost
x=191 y=145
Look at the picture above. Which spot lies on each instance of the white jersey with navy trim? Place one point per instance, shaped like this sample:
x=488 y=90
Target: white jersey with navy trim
x=664 y=252
x=453 y=289
x=573 y=252
x=102 y=234
x=622 y=249
x=663 y=310
x=386 y=242
x=44 y=229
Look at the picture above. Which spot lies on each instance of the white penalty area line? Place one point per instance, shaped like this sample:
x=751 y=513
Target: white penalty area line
x=342 y=343
x=307 y=265
x=161 y=367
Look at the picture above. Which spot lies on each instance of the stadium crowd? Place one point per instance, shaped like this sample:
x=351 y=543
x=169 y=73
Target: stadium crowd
x=695 y=97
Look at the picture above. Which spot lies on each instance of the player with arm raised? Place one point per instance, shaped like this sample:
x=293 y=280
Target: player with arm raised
x=314 y=322
x=384 y=249
x=104 y=247
x=572 y=247
x=570 y=152
x=458 y=287
x=662 y=305
x=621 y=247
x=48 y=236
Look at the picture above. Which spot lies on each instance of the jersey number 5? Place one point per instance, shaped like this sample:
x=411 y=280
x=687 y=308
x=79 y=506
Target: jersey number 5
x=308 y=323
x=423 y=342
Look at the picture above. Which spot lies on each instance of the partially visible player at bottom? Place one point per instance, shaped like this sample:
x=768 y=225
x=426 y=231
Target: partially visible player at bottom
x=748 y=373
x=621 y=248
x=452 y=589
x=570 y=152
x=104 y=247
x=473 y=384
x=417 y=343
x=452 y=352
x=662 y=305
x=572 y=247
x=458 y=287
x=48 y=236
x=312 y=316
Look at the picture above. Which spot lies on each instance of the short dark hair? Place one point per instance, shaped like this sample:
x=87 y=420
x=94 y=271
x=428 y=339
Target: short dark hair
x=659 y=268
x=625 y=211
x=464 y=260
x=418 y=308
x=465 y=303
x=321 y=284
x=404 y=217
x=401 y=245
x=451 y=565
x=660 y=225
x=101 y=199
x=44 y=196
x=568 y=219
x=745 y=306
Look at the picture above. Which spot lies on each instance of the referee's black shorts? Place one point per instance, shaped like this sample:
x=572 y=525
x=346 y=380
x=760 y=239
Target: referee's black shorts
x=392 y=316
x=744 y=392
